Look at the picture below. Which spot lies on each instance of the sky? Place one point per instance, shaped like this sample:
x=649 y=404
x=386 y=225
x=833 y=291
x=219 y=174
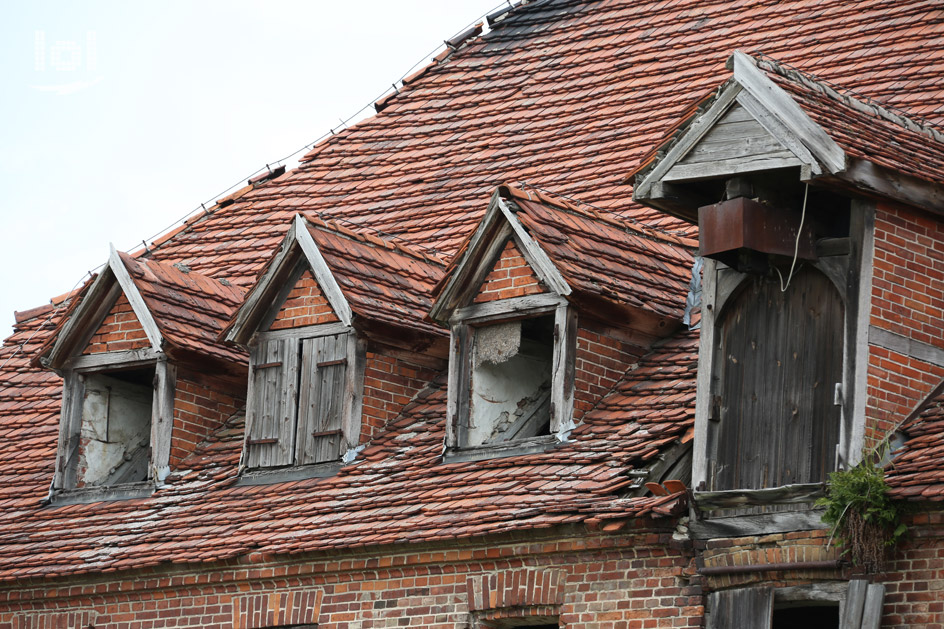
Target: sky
x=117 y=119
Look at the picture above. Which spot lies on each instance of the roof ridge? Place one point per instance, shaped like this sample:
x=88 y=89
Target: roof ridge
x=377 y=239
x=588 y=210
x=849 y=97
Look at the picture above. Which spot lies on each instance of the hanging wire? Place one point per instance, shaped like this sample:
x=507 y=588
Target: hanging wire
x=796 y=246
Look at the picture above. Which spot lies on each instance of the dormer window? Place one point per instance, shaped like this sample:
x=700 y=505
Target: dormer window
x=300 y=403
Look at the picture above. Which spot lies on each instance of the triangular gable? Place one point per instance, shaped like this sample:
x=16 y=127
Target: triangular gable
x=283 y=288
x=499 y=232
x=98 y=309
x=751 y=125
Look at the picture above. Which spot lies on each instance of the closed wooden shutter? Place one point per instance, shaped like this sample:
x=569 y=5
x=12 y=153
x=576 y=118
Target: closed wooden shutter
x=320 y=399
x=272 y=409
x=743 y=608
x=863 y=608
x=781 y=357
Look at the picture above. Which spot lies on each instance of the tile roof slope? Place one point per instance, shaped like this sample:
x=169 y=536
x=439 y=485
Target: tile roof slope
x=864 y=129
x=567 y=96
x=190 y=309
x=381 y=278
x=916 y=473
x=398 y=491
x=600 y=255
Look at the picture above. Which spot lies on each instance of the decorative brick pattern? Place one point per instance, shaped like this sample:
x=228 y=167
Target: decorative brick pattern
x=511 y=276
x=120 y=330
x=515 y=588
x=200 y=407
x=305 y=305
x=389 y=384
x=276 y=609
x=601 y=363
x=907 y=299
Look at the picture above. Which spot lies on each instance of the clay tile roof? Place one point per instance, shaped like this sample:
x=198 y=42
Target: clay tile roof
x=188 y=308
x=916 y=473
x=596 y=253
x=398 y=490
x=382 y=279
x=864 y=128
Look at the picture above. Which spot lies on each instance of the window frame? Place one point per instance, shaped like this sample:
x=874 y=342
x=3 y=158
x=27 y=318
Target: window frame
x=74 y=372
x=350 y=410
x=462 y=324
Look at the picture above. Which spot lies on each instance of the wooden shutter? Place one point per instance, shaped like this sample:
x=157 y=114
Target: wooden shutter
x=320 y=399
x=271 y=419
x=744 y=608
x=780 y=359
x=863 y=608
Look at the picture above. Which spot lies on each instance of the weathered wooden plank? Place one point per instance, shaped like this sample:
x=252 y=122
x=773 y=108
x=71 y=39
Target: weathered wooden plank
x=906 y=346
x=320 y=400
x=308 y=331
x=782 y=105
x=319 y=267
x=741 y=608
x=743 y=525
x=872 y=609
x=866 y=176
x=536 y=257
x=133 y=295
x=123 y=358
x=162 y=420
x=507 y=308
x=272 y=404
x=779 y=130
x=788 y=494
x=562 y=374
x=734 y=166
x=855 y=604
x=730 y=139
x=352 y=403
x=83 y=323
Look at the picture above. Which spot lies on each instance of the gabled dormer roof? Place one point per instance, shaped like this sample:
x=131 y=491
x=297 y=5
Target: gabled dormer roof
x=769 y=116
x=179 y=312
x=360 y=275
x=576 y=251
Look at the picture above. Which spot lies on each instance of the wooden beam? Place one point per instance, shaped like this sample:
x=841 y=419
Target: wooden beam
x=779 y=130
x=874 y=180
x=788 y=494
x=746 y=525
x=123 y=358
x=133 y=295
x=905 y=346
x=562 y=375
x=87 y=316
x=781 y=104
x=308 y=331
x=711 y=170
x=319 y=267
x=162 y=420
x=527 y=305
x=534 y=254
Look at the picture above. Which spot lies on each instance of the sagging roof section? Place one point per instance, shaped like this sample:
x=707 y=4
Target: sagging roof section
x=834 y=139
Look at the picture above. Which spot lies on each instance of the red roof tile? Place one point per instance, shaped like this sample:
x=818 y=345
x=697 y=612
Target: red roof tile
x=916 y=472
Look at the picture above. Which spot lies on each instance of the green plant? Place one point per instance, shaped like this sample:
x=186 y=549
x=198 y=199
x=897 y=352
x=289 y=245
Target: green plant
x=865 y=520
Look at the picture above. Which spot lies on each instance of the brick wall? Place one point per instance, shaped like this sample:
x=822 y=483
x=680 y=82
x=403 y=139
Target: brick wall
x=511 y=277
x=305 y=305
x=120 y=330
x=601 y=362
x=389 y=384
x=200 y=407
x=627 y=580
x=907 y=299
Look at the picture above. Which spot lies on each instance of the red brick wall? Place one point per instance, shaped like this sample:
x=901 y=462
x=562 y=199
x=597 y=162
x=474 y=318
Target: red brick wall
x=511 y=277
x=907 y=299
x=389 y=384
x=601 y=363
x=305 y=305
x=120 y=330
x=621 y=581
x=199 y=409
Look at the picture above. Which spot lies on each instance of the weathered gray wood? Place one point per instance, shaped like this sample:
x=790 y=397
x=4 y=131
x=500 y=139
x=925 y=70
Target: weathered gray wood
x=271 y=419
x=505 y=308
x=906 y=346
x=86 y=318
x=855 y=604
x=779 y=130
x=788 y=494
x=87 y=495
x=308 y=331
x=288 y=474
x=520 y=447
x=703 y=390
x=352 y=402
x=320 y=399
x=322 y=272
x=872 y=609
x=855 y=378
x=690 y=137
x=740 y=526
x=457 y=342
x=562 y=374
x=736 y=135
x=741 y=608
x=162 y=420
x=123 y=358
x=779 y=103
x=536 y=257
x=70 y=426
x=869 y=177
x=133 y=295
x=734 y=166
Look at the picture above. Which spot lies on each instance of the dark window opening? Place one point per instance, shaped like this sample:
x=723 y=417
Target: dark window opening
x=115 y=436
x=511 y=371
x=806 y=616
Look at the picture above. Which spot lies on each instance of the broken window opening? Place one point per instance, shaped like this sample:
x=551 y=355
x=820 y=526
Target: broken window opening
x=512 y=365
x=115 y=434
x=806 y=614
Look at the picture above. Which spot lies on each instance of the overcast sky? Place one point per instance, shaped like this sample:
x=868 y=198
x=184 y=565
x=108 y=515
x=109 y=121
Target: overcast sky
x=119 y=118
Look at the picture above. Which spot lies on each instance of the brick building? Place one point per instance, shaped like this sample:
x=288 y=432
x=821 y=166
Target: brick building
x=569 y=334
